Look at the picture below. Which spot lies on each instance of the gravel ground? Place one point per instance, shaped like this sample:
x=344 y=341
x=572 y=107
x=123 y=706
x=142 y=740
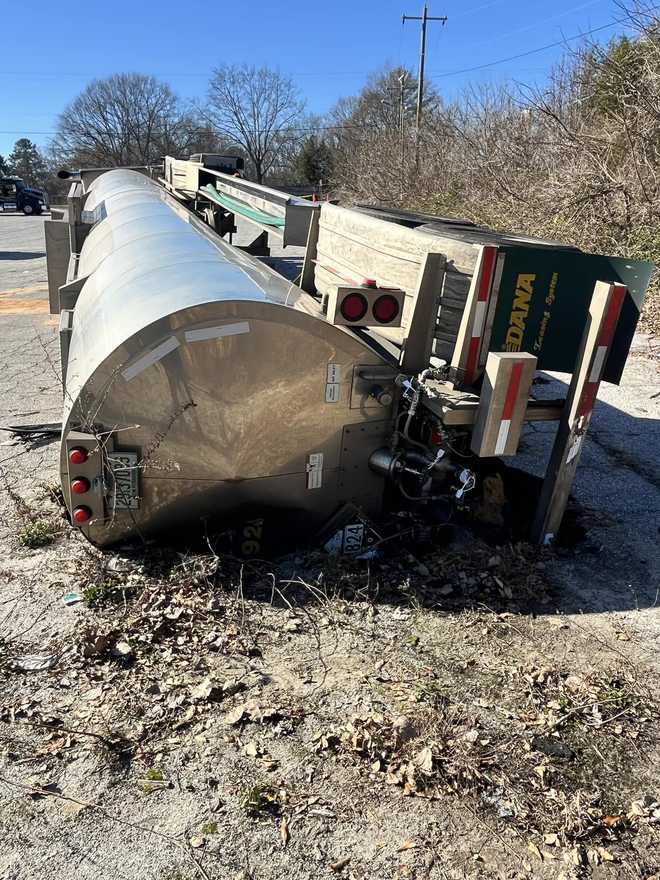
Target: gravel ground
x=602 y=610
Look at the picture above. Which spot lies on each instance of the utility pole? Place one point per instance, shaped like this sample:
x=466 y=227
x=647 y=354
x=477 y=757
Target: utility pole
x=402 y=128
x=424 y=18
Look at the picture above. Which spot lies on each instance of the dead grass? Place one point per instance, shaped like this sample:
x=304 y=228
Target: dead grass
x=422 y=680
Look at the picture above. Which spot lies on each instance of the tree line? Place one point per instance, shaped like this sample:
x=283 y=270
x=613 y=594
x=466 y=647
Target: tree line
x=576 y=160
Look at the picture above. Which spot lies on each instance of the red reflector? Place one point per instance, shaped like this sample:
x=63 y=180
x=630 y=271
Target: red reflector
x=81 y=514
x=79 y=486
x=369 y=282
x=354 y=307
x=78 y=456
x=386 y=308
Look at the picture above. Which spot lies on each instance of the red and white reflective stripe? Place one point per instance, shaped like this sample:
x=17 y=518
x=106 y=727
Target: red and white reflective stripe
x=484 y=281
x=590 y=390
x=509 y=406
x=369 y=283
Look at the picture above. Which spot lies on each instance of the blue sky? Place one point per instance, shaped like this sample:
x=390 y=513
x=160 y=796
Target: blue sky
x=51 y=50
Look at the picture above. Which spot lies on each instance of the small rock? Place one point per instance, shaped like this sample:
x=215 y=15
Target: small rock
x=207 y=689
x=553 y=748
x=122 y=650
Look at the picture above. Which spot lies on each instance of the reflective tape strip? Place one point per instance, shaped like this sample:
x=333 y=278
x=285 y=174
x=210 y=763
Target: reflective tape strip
x=509 y=406
x=597 y=366
x=473 y=352
x=502 y=436
x=479 y=318
x=152 y=357
x=484 y=281
x=612 y=316
x=221 y=330
x=590 y=390
x=574 y=448
x=486 y=276
x=512 y=390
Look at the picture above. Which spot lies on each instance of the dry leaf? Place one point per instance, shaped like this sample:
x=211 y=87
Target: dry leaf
x=284 y=831
x=340 y=865
x=611 y=821
x=72 y=808
x=236 y=715
x=407 y=844
x=424 y=760
x=533 y=848
x=196 y=841
x=605 y=855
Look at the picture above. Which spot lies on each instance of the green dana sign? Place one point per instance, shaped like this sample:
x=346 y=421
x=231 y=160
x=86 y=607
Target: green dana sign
x=543 y=304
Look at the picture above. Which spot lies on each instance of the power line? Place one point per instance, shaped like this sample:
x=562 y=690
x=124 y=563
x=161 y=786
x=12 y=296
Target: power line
x=529 y=52
x=198 y=75
x=536 y=24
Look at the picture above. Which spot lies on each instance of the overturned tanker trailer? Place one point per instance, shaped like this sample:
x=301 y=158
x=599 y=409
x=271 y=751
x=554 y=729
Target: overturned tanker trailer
x=199 y=384
x=198 y=380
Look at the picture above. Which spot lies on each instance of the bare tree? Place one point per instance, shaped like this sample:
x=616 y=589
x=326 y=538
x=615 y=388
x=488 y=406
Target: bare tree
x=126 y=119
x=257 y=109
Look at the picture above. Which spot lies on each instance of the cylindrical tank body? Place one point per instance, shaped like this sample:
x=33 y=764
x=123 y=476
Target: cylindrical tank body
x=215 y=385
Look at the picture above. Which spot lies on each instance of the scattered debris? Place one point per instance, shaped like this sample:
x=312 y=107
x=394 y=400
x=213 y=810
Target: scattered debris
x=35 y=662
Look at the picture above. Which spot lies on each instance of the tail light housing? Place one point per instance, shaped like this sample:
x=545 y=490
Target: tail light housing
x=82 y=478
x=354 y=307
x=81 y=515
x=386 y=308
x=366 y=306
x=78 y=455
x=80 y=485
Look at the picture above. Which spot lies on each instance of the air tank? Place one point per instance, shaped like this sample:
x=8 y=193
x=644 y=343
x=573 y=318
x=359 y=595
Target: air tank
x=201 y=385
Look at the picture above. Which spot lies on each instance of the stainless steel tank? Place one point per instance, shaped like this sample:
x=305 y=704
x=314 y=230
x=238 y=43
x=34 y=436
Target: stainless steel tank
x=199 y=383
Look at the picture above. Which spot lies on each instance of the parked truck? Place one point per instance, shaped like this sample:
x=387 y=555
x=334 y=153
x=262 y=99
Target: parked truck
x=199 y=384
x=16 y=195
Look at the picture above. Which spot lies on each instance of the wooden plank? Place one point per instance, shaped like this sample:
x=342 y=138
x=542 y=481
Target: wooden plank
x=418 y=345
x=502 y=403
x=604 y=312
x=473 y=321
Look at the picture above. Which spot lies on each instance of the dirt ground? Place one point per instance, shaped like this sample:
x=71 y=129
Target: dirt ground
x=467 y=711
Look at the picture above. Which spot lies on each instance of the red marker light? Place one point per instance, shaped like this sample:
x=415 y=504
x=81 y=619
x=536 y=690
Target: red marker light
x=369 y=282
x=78 y=455
x=354 y=307
x=81 y=514
x=79 y=486
x=386 y=309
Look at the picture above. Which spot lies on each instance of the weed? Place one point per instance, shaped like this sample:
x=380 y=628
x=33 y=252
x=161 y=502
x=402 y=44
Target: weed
x=258 y=800
x=153 y=780
x=103 y=593
x=38 y=533
x=210 y=828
